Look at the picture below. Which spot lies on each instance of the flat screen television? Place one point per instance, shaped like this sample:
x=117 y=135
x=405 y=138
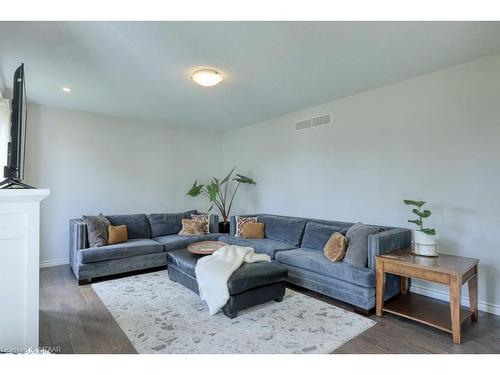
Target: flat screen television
x=14 y=170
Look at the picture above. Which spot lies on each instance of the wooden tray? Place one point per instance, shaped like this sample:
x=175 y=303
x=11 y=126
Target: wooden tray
x=205 y=247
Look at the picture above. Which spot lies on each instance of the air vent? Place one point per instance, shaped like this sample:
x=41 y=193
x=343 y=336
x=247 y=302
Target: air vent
x=314 y=122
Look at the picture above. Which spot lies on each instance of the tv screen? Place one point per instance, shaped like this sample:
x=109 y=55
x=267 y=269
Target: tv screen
x=14 y=167
x=15 y=150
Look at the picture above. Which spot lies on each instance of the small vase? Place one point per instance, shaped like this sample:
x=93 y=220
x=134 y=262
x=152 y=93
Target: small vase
x=424 y=244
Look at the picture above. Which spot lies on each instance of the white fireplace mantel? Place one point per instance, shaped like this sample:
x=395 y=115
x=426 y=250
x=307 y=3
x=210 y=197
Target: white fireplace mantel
x=19 y=267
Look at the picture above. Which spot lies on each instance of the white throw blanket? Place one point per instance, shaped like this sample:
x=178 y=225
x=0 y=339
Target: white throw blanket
x=213 y=272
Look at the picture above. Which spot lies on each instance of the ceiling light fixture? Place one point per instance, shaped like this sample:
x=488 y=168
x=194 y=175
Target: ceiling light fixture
x=207 y=77
x=66 y=89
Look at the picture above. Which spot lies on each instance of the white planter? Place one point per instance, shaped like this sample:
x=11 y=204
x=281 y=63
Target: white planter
x=424 y=244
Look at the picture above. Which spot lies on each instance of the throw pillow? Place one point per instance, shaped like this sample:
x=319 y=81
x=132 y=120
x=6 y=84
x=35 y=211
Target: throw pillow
x=243 y=220
x=202 y=218
x=191 y=227
x=357 y=250
x=254 y=231
x=117 y=234
x=97 y=229
x=336 y=247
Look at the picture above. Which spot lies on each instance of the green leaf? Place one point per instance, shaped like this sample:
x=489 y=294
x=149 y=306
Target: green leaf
x=212 y=191
x=244 y=179
x=429 y=231
x=417 y=222
x=424 y=214
x=226 y=179
x=410 y=202
x=195 y=189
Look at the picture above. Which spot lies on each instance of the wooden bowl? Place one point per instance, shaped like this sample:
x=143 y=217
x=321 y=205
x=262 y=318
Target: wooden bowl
x=205 y=247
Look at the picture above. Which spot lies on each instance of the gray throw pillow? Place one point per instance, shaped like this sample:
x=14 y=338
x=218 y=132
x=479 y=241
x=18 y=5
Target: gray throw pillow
x=97 y=229
x=357 y=249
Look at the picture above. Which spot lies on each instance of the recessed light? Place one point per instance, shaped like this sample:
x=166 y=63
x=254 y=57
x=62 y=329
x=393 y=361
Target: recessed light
x=66 y=89
x=207 y=77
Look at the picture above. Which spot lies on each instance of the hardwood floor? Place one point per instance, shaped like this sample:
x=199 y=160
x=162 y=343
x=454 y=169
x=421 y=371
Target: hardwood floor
x=74 y=320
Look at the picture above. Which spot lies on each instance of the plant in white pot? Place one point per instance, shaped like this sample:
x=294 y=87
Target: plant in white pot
x=424 y=239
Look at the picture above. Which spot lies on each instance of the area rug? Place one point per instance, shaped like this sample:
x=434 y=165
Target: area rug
x=161 y=316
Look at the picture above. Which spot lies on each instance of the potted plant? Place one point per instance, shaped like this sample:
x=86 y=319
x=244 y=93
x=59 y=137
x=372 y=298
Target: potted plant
x=424 y=239
x=219 y=194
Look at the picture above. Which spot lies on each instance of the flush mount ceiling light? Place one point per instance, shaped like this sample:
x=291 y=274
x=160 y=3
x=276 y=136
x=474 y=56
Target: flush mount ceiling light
x=66 y=89
x=207 y=77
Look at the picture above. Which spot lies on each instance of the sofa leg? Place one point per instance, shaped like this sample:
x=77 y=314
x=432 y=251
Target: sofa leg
x=84 y=281
x=364 y=312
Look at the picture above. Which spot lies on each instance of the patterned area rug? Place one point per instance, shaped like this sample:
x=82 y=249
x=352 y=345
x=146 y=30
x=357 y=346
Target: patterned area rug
x=161 y=316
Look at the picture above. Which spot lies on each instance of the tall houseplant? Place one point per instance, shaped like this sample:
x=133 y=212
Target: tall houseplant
x=220 y=194
x=424 y=239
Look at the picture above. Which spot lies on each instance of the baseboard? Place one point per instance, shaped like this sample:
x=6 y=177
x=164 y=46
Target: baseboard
x=429 y=292
x=53 y=262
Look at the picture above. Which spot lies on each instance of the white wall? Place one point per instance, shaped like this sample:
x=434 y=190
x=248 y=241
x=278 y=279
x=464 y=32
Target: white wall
x=435 y=137
x=4 y=132
x=93 y=163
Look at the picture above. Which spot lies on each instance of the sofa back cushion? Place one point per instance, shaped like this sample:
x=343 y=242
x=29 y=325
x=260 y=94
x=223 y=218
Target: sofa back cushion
x=280 y=228
x=137 y=224
x=317 y=235
x=165 y=224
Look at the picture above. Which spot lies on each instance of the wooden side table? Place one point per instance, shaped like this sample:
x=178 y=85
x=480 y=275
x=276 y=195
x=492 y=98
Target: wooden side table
x=449 y=270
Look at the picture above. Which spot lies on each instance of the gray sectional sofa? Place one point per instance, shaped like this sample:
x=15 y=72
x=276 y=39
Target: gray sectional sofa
x=150 y=237
x=293 y=242
x=297 y=244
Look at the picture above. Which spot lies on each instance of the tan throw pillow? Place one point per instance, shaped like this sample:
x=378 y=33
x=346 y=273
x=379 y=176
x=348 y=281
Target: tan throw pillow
x=336 y=247
x=254 y=231
x=243 y=220
x=191 y=227
x=202 y=218
x=117 y=234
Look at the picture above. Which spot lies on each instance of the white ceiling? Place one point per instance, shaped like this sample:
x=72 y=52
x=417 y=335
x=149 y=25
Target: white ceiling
x=141 y=69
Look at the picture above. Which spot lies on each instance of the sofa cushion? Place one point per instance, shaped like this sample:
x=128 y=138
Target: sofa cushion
x=317 y=235
x=97 y=229
x=137 y=224
x=139 y=246
x=315 y=261
x=280 y=228
x=202 y=218
x=253 y=231
x=165 y=224
x=177 y=241
x=242 y=220
x=357 y=249
x=192 y=227
x=266 y=245
x=335 y=247
x=117 y=234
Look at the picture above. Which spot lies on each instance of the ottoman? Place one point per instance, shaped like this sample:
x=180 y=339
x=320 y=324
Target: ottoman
x=250 y=285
